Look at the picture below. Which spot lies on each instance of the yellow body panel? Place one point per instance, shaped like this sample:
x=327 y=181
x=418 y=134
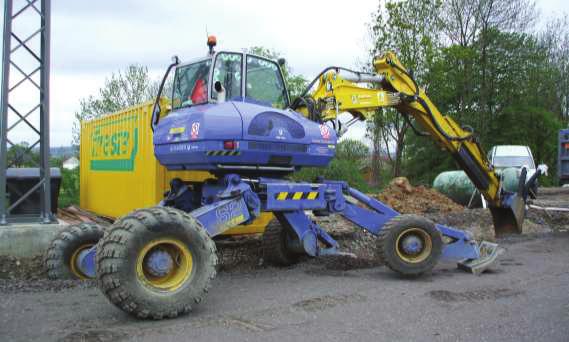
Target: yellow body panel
x=119 y=172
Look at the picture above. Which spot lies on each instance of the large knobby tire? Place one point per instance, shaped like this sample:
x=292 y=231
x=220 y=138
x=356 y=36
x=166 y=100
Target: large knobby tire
x=123 y=270
x=63 y=252
x=412 y=231
x=276 y=250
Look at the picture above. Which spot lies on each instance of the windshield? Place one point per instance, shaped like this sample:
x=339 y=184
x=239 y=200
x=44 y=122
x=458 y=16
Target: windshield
x=228 y=72
x=264 y=82
x=191 y=84
x=515 y=161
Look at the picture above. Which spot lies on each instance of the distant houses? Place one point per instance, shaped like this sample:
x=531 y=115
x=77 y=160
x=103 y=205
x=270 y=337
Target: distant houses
x=70 y=163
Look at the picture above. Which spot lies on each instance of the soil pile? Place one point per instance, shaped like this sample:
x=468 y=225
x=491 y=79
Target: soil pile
x=406 y=199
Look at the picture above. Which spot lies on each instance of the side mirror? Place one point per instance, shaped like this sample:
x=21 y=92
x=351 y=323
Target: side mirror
x=282 y=62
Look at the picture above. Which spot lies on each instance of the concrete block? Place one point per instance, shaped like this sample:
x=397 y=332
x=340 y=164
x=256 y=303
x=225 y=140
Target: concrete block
x=27 y=239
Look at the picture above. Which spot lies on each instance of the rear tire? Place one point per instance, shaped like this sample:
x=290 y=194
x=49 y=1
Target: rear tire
x=276 y=250
x=63 y=251
x=127 y=280
x=410 y=229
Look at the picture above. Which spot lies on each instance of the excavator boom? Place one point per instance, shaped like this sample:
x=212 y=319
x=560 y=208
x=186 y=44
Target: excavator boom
x=340 y=90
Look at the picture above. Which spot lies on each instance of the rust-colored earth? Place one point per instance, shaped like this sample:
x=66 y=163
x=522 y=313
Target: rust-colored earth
x=406 y=199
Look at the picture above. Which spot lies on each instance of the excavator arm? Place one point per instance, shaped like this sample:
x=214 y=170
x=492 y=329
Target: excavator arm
x=338 y=90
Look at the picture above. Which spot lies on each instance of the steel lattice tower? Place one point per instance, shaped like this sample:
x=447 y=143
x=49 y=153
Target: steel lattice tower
x=20 y=50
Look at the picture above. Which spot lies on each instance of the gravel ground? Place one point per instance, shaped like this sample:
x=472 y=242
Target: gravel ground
x=523 y=298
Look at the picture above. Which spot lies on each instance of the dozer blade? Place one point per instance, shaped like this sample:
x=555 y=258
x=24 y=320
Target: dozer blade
x=489 y=252
x=509 y=218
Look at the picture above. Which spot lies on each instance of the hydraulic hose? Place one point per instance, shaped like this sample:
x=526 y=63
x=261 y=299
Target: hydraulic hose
x=425 y=106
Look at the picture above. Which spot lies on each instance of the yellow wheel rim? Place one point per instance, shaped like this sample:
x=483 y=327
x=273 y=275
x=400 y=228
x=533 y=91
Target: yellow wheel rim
x=75 y=258
x=178 y=274
x=423 y=254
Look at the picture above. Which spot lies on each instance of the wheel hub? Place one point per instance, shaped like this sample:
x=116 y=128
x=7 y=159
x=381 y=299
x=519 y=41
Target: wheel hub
x=76 y=263
x=412 y=244
x=159 y=263
x=164 y=264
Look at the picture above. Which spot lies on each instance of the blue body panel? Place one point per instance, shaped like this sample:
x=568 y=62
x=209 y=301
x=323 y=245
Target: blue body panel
x=233 y=201
x=193 y=138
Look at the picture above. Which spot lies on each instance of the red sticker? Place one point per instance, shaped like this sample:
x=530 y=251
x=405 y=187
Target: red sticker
x=325 y=131
x=195 y=130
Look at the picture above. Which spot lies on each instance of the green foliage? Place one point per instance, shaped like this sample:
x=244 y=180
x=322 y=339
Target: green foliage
x=352 y=150
x=124 y=89
x=21 y=155
x=338 y=169
x=350 y=157
x=410 y=29
x=483 y=67
x=69 y=188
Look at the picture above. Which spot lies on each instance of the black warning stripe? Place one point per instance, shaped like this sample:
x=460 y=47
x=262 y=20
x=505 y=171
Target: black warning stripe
x=223 y=153
x=296 y=196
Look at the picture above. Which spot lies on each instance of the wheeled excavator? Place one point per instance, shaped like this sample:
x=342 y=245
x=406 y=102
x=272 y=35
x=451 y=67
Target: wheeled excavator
x=231 y=115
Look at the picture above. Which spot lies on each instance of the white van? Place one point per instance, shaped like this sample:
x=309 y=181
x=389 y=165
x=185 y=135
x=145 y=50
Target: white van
x=518 y=156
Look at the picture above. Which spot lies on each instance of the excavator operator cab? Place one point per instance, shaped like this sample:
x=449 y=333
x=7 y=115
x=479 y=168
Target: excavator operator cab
x=229 y=76
x=224 y=76
x=230 y=112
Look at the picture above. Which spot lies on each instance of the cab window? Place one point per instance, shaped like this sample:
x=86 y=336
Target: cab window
x=191 y=84
x=264 y=82
x=228 y=72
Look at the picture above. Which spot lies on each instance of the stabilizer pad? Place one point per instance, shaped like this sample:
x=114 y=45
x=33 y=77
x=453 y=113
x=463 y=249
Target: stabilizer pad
x=489 y=252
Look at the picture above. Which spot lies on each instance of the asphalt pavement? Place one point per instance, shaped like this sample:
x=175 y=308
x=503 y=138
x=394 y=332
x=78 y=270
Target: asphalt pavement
x=524 y=298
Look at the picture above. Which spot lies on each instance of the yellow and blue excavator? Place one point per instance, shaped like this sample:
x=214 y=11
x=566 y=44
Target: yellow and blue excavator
x=231 y=115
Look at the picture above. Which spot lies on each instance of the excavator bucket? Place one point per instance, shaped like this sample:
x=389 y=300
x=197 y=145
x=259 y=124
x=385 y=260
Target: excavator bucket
x=509 y=219
x=489 y=252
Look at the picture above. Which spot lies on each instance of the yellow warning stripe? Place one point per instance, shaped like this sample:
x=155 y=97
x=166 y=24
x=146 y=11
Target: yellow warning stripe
x=297 y=196
x=312 y=195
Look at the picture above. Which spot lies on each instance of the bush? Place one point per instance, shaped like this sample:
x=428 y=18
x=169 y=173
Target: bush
x=69 y=190
x=338 y=169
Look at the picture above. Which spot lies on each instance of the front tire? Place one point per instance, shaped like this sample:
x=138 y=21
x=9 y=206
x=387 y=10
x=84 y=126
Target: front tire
x=156 y=263
x=410 y=245
x=62 y=256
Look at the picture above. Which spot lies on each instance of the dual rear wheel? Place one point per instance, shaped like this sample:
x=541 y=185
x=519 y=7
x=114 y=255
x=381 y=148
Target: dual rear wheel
x=153 y=263
x=156 y=263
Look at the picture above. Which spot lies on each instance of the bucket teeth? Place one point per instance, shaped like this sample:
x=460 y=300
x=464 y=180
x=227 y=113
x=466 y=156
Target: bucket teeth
x=489 y=252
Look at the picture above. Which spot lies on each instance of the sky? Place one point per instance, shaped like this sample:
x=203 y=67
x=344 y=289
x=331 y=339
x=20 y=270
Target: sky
x=93 y=39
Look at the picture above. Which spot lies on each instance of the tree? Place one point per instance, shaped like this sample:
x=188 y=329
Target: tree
x=352 y=150
x=22 y=155
x=521 y=104
x=122 y=90
x=410 y=29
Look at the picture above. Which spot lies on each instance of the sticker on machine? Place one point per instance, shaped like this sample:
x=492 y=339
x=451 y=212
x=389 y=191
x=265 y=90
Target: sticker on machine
x=325 y=131
x=195 y=130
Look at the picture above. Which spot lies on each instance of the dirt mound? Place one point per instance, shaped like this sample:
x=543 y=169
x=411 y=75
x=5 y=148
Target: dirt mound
x=406 y=199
